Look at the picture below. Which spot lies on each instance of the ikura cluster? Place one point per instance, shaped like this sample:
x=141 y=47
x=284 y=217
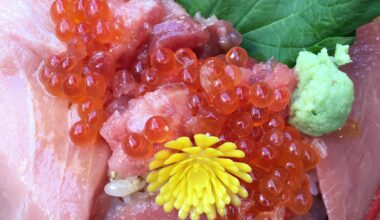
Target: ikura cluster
x=140 y=145
x=223 y=104
x=82 y=74
x=251 y=115
x=85 y=26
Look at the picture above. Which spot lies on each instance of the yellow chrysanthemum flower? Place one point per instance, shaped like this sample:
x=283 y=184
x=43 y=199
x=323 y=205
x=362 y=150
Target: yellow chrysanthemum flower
x=198 y=179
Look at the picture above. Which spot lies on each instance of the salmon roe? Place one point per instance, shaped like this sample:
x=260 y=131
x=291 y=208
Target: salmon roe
x=137 y=146
x=82 y=74
x=254 y=117
x=157 y=129
x=221 y=100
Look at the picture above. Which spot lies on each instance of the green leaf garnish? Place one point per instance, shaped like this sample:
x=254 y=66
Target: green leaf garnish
x=282 y=28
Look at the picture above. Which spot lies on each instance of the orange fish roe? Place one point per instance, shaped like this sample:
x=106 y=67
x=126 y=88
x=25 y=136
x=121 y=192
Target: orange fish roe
x=222 y=103
x=82 y=74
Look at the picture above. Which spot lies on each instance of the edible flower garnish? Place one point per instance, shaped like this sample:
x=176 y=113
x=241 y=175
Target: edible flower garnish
x=200 y=179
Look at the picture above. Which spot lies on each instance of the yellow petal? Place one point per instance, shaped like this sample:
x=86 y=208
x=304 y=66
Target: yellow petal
x=174 y=158
x=235 y=153
x=162 y=155
x=226 y=147
x=156 y=164
x=179 y=144
x=205 y=141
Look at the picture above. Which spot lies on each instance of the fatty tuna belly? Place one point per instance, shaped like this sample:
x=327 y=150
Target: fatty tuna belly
x=349 y=176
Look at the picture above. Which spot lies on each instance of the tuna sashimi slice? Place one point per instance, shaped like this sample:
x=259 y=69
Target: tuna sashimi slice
x=168 y=101
x=349 y=176
x=139 y=207
x=42 y=175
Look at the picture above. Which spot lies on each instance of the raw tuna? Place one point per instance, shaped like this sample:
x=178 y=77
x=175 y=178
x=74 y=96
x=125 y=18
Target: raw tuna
x=349 y=176
x=222 y=36
x=170 y=102
x=138 y=18
x=140 y=207
x=178 y=33
x=43 y=176
x=272 y=72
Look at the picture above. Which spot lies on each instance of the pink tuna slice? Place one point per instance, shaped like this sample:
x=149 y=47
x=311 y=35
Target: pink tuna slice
x=177 y=33
x=275 y=74
x=140 y=207
x=169 y=101
x=161 y=23
x=138 y=18
x=43 y=176
x=349 y=176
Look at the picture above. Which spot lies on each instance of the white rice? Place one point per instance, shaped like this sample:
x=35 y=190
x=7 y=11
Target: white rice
x=124 y=187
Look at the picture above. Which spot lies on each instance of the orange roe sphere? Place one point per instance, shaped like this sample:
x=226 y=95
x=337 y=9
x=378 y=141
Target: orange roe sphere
x=209 y=121
x=137 y=146
x=271 y=186
x=77 y=48
x=227 y=135
x=265 y=202
x=64 y=30
x=157 y=129
x=293 y=181
x=266 y=156
x=301 y=202
x=280 y=172
x=97 y=9
x=257 y=133
x=285 y=197
x=240 y=122
x=88 y=105
x=242 y=91
x=275 y=121
x=102 y=62
x=212 y=68
x=234 y=74
x=261 y=95
x=237 y=56
x=273 y=137
x=73 y=87
x=195 y=102
x=79 y=10
x=103 y=31
x=248 y=146
x=95 y=85
x=220 y=85
x=291 y=133
x=82 y=29
x=190 y=77
x=151 y=77
x=96 y=118
x=309 y=157
x=185 y=57
x=292 y=165
x=67 y=65
x=54 y=85
x=259 y=115
x=45 y=73
x=213 y=78
x=162 y=60
x=81 y=133
x=226 y=102
x=58 y=10
x=281 y=99
x=54 y=60
x=292 y=148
